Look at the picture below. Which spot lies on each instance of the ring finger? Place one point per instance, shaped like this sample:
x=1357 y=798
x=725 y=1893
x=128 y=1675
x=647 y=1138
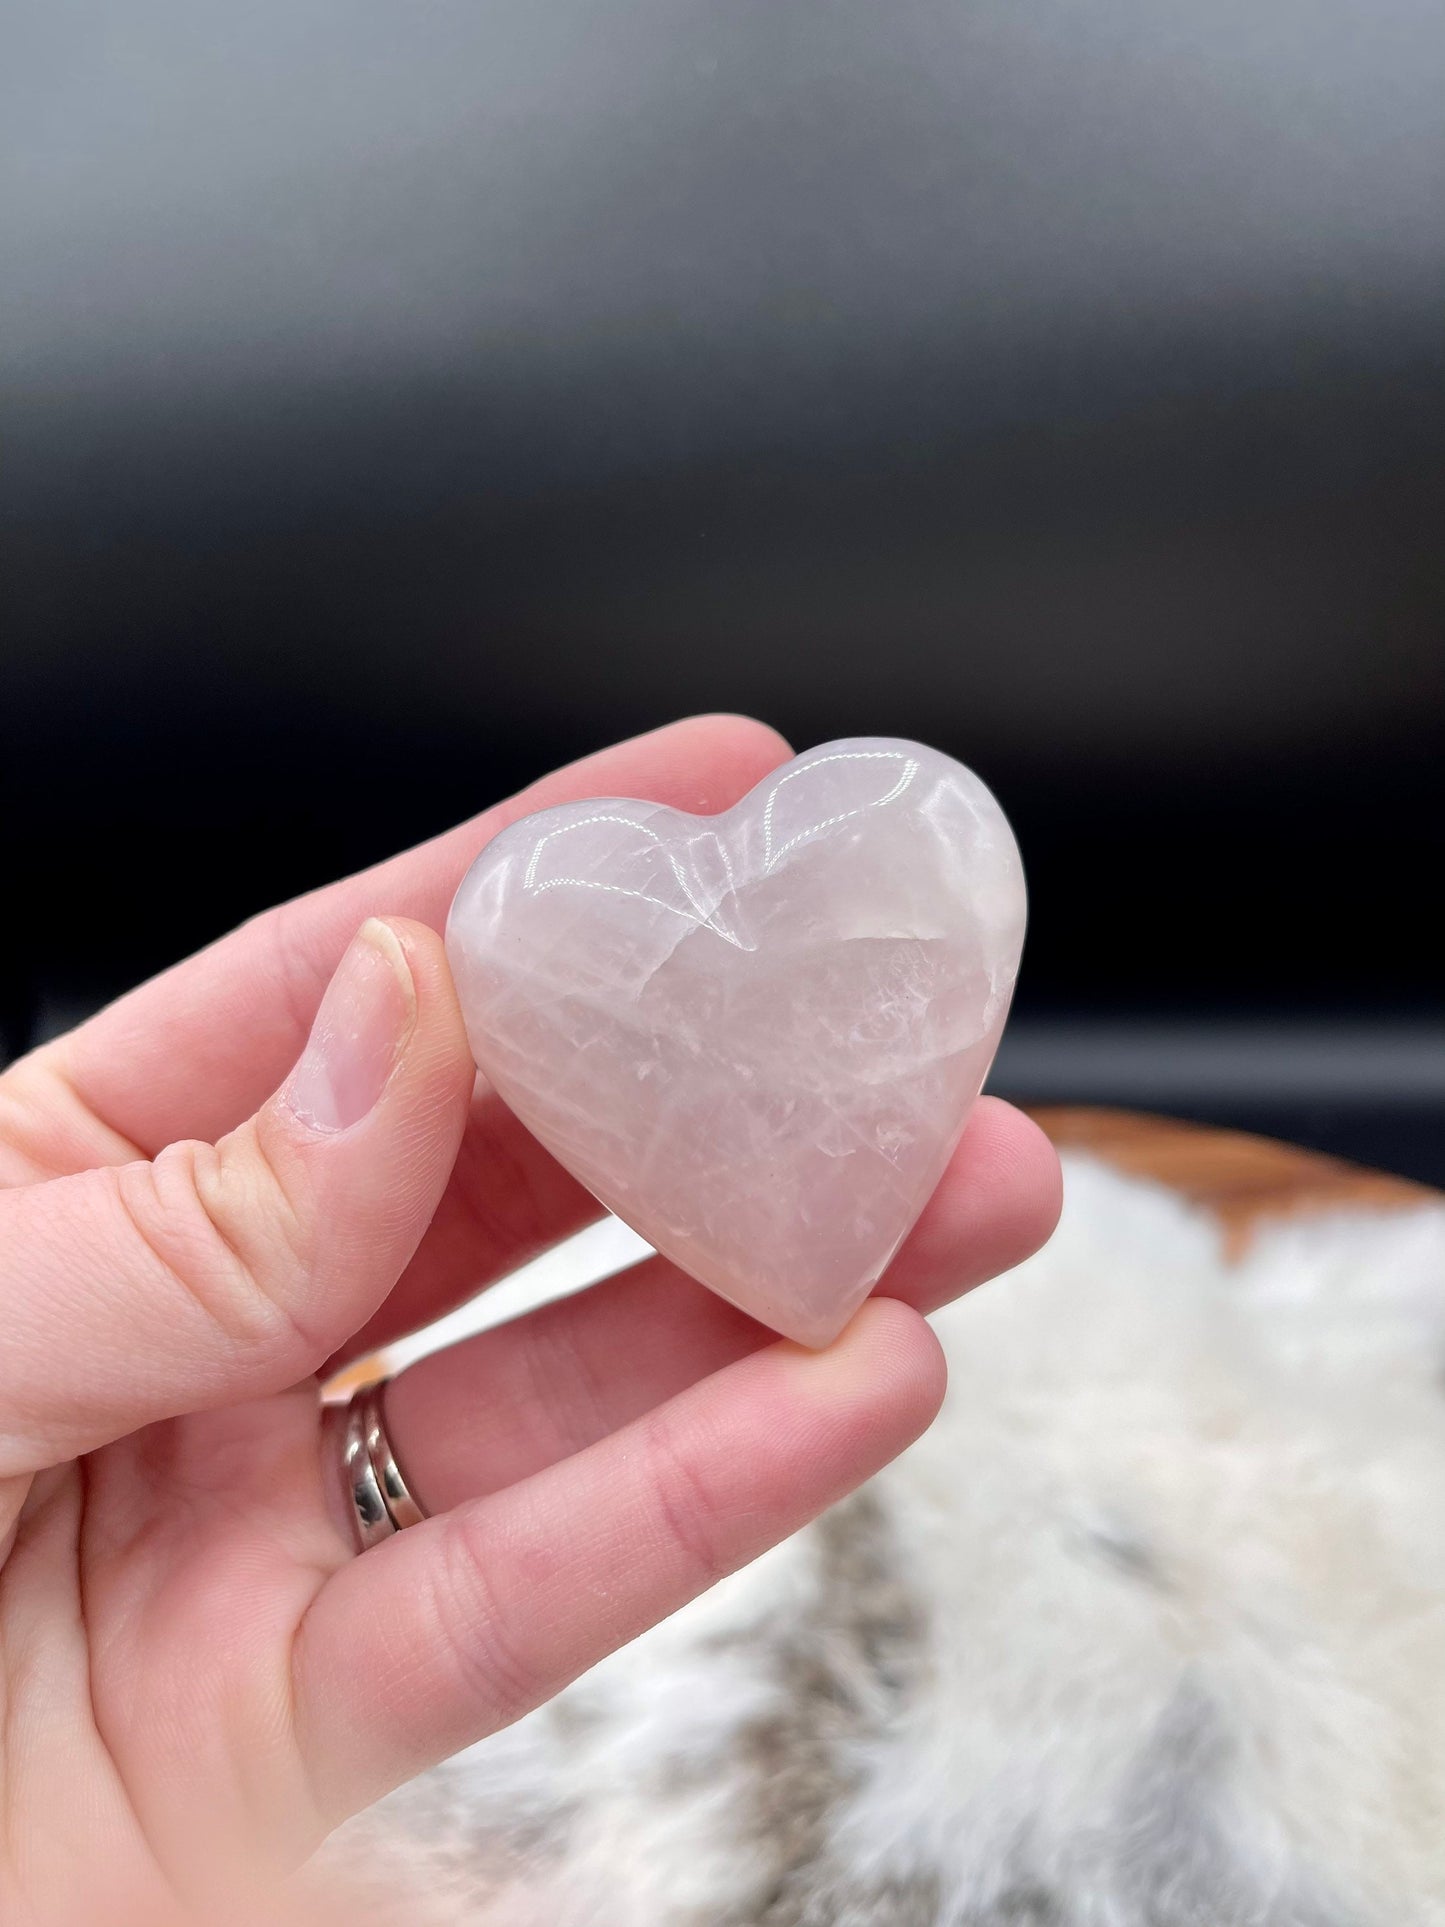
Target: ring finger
x=443 y=1633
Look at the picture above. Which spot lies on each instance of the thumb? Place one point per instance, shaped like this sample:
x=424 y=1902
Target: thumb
x=215 y=1273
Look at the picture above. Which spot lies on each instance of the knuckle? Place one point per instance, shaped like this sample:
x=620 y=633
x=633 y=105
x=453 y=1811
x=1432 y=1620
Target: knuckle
x=689 y=1511
x=47 y=1128
x=212 y=1221
x=472 y=1630
x=274 y=1202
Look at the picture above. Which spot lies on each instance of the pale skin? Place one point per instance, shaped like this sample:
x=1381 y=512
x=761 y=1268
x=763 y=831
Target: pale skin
x=199 y=1676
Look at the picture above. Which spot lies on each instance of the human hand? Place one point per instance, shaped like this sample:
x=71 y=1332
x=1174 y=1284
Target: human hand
x=202 y=1212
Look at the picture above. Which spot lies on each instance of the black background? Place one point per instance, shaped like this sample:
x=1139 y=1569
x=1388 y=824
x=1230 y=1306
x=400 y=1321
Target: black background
x=398 y=401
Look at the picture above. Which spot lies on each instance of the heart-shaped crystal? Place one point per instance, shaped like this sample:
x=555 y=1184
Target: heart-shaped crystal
x=754 y=1036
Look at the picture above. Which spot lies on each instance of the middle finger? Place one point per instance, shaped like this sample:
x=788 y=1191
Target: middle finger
x=509 y=1200
x=496 y=1408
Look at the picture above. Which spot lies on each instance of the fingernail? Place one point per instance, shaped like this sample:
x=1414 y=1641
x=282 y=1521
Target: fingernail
x=364 y=1020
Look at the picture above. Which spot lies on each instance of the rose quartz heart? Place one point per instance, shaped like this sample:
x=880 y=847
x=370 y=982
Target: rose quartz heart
x=754 y=1036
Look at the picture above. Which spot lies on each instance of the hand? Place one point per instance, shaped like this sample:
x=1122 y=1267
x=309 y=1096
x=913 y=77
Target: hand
x=203 y=1211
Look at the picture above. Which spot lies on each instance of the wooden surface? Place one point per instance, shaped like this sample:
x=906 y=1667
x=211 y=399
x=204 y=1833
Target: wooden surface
x=1245 y=1181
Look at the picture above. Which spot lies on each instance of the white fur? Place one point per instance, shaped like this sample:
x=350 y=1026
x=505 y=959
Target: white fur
x=1179 y=1535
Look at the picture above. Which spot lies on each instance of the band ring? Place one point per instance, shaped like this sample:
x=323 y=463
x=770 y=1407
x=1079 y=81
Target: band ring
x=401 y=1507
x=378 y=1499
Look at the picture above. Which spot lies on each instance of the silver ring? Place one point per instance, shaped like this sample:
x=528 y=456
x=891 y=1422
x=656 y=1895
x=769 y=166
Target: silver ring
x=401 y=1507
x=378 y=1500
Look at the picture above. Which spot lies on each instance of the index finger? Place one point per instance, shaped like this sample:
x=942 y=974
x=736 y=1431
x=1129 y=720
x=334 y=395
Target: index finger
x=197 y=1049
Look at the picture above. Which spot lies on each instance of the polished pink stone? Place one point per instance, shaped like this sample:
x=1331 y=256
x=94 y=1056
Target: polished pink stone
x=755 y=1036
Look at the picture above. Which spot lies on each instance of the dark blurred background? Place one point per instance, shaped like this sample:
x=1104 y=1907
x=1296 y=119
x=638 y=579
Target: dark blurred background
x=398 y=399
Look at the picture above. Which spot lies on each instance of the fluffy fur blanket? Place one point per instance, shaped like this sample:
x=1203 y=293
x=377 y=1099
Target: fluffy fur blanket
x=1148 y=1631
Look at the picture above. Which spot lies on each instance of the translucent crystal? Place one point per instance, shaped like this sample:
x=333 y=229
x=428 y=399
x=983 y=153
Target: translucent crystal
x=755 y=1036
